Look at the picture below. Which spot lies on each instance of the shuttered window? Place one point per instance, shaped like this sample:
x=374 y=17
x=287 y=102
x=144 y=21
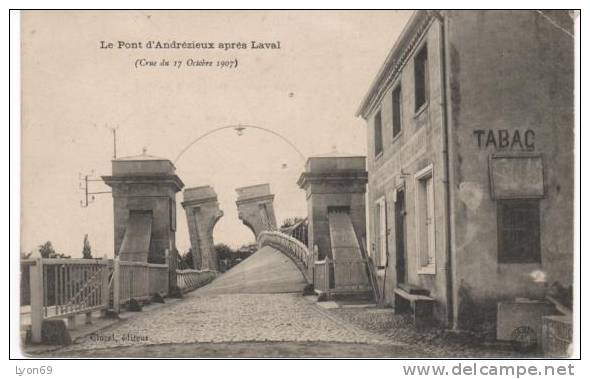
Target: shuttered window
x=396 y=110
x=421 y=77
x=519 y=231
x=425 y=221
x=380 y=233
x=378 y=134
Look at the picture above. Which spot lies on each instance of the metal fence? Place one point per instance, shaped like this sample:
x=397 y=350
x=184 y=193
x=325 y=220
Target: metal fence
x=64 y=288
x=290 y=246
x=61 y=288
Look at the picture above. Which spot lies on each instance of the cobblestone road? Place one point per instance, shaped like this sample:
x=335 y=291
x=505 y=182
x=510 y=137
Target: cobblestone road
x=259 y=300
x=231 y=318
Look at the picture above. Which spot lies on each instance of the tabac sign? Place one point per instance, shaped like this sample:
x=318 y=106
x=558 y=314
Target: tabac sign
x=504 y=139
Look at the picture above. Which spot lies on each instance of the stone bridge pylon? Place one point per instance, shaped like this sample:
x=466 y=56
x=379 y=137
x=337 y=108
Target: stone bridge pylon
x=255 y=208
x=202 y=213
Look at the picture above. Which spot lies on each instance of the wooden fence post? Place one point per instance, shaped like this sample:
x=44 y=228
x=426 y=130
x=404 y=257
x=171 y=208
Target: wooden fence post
x=36 y=283
x=167 y=261
x=172 y=266
x=327 y=274
x=315 y=257
x=146 y=280
x=116 y=285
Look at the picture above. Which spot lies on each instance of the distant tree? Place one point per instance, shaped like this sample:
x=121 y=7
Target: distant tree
x=246 y=250
x=226 y=257
x=86 y=250
x=291 y=221
x=186 y=260
x=47 y=251
x=223 y=251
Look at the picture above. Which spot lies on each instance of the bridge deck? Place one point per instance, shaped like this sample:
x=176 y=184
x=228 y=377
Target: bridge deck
x=265 y=271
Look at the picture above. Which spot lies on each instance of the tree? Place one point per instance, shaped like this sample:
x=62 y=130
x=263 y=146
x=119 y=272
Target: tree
x=225 y=257
x=186 y=260
x=86 y=250
x=223 y=251
x=246 y=250
x=291 y=221
x=47 y=251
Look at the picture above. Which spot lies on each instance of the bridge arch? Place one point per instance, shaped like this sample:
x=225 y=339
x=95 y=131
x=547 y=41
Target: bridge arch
x=248 y=224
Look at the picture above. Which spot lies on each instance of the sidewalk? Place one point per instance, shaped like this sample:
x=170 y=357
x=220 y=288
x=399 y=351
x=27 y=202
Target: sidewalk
x=83 y=330
x=434 y=341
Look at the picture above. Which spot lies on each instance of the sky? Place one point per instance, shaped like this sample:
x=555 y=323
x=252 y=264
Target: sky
x=73 y=92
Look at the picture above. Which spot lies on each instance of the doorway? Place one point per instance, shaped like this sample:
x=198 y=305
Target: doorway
x=400 y=237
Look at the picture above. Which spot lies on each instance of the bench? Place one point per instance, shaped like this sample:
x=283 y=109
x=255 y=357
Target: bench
x=421 y=306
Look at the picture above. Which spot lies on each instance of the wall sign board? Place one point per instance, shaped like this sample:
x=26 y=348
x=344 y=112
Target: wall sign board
x=516 y=177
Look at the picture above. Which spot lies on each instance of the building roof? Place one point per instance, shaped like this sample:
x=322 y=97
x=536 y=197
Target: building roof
x=141 y=157
x=144 y=156
x=395 y=60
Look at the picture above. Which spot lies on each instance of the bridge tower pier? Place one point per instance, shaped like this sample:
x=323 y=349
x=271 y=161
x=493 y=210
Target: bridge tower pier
x=202 y=213
x=255 y=208
x=144 y=191
x=333 y=183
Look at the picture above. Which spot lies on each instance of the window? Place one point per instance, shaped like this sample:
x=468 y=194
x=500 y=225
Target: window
x=425 y=221
x=396 y=110
x=421 y=77
x=518 y=231
x=378 y=134
x=380 y=233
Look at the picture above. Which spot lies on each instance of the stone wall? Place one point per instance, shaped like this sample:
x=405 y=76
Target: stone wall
x=509 y=73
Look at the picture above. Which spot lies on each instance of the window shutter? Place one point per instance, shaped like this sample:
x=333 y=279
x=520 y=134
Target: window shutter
x=430 y=220
x=383 y=233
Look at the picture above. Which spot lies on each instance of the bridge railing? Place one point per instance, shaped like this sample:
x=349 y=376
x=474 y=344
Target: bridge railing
x=188 y=280
x=321 y=275
x=290 y=246
x=298 y=230
x=65 y=288
x=60 y=288
x=138 y=280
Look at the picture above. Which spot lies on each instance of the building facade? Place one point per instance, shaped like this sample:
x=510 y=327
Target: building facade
x=470 y=135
